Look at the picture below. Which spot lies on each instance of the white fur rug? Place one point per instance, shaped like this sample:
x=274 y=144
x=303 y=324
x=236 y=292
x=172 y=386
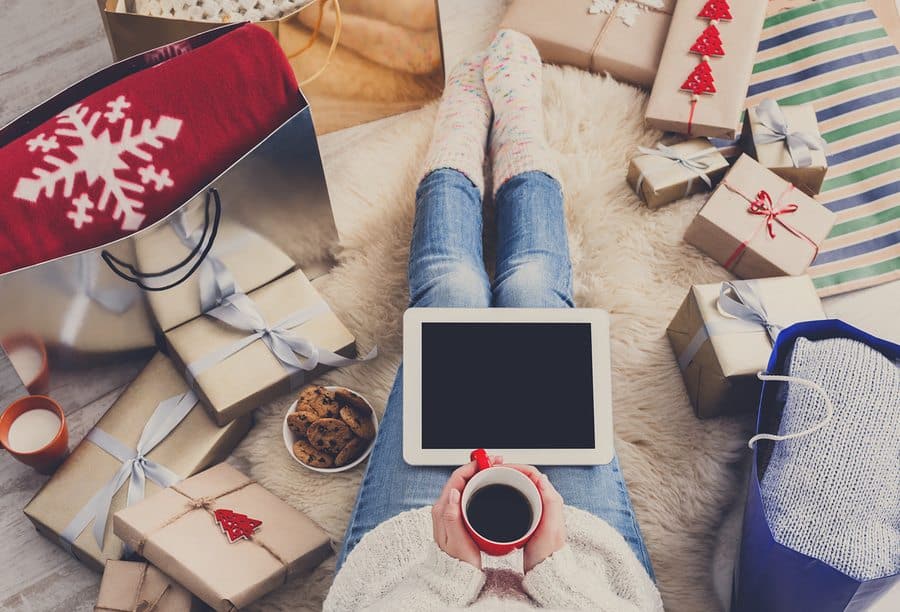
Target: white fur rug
x=628 y=260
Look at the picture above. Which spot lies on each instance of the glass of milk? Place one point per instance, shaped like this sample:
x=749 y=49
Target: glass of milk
x=33 y=430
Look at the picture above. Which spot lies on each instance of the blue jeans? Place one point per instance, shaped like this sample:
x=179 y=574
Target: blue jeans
x=446 y=269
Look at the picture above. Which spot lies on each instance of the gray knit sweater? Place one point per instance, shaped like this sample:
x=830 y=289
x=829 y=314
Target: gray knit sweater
x=835 y=494
x=397 y=566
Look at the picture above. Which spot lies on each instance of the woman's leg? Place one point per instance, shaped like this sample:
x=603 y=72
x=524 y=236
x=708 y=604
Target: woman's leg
x=446 y=269
x=533 y=266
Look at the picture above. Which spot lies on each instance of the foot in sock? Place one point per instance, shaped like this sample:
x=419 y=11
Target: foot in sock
x=463 y=120
x=512 y=75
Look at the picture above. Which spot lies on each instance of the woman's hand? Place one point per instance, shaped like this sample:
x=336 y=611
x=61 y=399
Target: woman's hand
x=550 y=535
x=446 y=518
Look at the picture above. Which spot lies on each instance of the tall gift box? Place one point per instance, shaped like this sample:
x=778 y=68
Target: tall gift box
x=723 y=332
x=786 y=140
x=156 y=430
x=223 y=537
x=579 y=33
x=758 y=225
x=130 y=586
x=259 y=345
x=705 y=68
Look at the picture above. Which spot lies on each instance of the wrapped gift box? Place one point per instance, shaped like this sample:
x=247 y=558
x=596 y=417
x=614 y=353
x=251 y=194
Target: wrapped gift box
x=719 y=353
x=786 y=140
x=239 y=260
x=140 y=587
x=671 y=172
x=233 y=368
x=756 y=224
x=565 y=32
x=683 y=99
x=195 y=443
x=223 y=537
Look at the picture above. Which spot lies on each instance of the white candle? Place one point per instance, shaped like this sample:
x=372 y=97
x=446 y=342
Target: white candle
x=27 y=361
x=33 y=430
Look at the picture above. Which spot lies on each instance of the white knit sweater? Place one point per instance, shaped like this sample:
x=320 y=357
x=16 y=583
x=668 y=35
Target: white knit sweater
x=398 y=566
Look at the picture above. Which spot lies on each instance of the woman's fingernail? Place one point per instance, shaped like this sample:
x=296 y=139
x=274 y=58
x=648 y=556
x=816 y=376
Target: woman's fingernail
x=454 y=496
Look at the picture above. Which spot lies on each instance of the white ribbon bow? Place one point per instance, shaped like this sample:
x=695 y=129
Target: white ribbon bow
x=749 y=315
x=215 y=280
x=295 y=353
x=772 y=119
x=136 y=467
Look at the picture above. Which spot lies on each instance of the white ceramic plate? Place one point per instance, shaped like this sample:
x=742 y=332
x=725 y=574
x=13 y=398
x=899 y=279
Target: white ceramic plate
x=290 y=438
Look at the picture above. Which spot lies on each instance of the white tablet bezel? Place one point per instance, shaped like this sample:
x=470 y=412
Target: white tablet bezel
x=414 y=454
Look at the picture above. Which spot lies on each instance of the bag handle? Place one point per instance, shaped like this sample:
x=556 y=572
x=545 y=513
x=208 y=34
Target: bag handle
x=133 y=275
x=810 y=384
x=335 y=39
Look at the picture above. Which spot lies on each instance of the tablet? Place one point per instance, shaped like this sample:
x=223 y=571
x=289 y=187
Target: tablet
x=530 y=384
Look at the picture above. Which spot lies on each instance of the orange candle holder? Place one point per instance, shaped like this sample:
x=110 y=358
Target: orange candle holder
x=47 y=458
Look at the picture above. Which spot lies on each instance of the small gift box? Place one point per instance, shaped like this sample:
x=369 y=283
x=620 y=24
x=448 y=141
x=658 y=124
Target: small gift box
x=139 y=587
x=671 y=172
x=240 y=260
x=786 y=140
x=597 y=35
x=758 y=225
x=260 y=345
x=722 y=336
x=224 y=537
x=155 y=434
x=705 y=68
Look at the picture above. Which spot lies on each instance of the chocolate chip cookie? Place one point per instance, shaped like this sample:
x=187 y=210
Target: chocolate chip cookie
x=353 y=449
x=346 y=397
x=319 y=400
x=310 y=455
x=299 y=421
x=359 y=424
x=329 y=435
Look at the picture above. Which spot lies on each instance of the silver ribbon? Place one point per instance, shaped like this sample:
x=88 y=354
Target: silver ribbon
x=691 y=163
x=82 y=286
x=215 y=280
x=775 y=129
x=296 y=354
x=136 y=467
x=749 y=315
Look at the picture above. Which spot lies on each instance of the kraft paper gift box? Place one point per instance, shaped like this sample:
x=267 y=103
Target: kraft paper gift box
x=232 y=367
x=703 y=94
x=671 y=172
x=723 y=332
x=146 y=415
x=223 y=537
x=566 y=32
x=786 y=140
x=757 y=225
x=239 y=260
x=129 y=586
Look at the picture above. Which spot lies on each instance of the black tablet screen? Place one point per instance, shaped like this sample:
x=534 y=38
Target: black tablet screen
x=507 y=385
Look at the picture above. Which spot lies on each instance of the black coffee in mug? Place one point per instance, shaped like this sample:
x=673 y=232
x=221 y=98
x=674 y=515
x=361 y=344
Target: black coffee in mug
x=500 y=513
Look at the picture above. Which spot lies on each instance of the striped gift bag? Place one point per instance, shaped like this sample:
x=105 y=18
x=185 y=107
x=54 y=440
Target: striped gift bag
x=835 y=55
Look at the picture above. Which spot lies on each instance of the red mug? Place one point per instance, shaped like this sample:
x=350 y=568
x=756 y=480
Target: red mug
x=48 y=457
x=491 y=475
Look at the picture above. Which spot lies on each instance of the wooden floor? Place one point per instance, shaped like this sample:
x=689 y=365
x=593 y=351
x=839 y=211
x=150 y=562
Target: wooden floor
x=47 y=45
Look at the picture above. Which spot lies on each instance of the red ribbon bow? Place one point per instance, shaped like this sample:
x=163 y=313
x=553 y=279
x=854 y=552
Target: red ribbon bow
x=764 y=206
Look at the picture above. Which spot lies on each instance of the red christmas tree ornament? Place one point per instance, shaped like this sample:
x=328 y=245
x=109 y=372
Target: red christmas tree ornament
x=700 y=81
x=234 y=525
x=709 y=43
x=716 y=9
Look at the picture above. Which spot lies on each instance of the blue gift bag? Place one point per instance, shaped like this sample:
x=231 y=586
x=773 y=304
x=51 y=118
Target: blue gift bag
x=771 y=577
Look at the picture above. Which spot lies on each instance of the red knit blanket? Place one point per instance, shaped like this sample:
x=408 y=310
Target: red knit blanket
x=130 y=153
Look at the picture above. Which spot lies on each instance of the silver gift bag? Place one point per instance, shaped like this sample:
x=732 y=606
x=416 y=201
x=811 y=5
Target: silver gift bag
x=266 y=215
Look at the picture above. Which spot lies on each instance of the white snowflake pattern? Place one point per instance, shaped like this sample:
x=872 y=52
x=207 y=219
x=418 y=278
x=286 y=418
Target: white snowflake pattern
x=100 y=158
x=628 y=10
